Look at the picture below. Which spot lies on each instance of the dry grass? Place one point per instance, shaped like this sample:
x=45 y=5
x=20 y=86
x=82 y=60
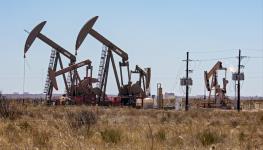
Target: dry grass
x=83 y=127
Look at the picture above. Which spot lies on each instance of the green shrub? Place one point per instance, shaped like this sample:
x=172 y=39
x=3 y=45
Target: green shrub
x=234 y=123
x=241 y=137
x=111 y=135
x=12 y=133
x=261 y=119
x=25 y=126
x=41 y=139
x=208 y=137
x=83 y=118
x=9 y=111
x=161 y=135
x=163 y=119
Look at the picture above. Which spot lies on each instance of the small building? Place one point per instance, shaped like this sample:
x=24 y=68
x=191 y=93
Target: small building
x=169 y=95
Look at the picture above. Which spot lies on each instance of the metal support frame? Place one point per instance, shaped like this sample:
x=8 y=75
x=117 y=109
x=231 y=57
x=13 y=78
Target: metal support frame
x=109 y=58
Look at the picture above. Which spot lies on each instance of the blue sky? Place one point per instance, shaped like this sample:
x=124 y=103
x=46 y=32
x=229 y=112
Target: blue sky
x=155 y=34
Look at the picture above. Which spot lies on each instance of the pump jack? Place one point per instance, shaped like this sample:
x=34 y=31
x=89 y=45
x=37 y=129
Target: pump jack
x=83 y=87
x=141 y=88
x=53 y=74
x=35 y=33
x=124 y=89
x=219 y=93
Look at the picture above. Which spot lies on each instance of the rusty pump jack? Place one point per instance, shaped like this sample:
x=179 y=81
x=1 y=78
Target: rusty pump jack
x=124 y=90
x=36 y=33
x=52 y=74
x=219 y=93
x=84 y=87
x=141 y=88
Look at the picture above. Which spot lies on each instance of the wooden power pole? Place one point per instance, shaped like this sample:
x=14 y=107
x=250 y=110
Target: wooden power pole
x=187 y=86
x=238 y=81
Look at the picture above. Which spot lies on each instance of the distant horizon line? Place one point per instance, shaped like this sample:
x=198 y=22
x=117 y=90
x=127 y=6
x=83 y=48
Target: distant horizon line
x=198 y=95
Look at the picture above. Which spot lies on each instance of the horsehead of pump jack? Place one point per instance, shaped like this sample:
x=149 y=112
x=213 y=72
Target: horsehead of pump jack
x=87 y=29
x=36 y=33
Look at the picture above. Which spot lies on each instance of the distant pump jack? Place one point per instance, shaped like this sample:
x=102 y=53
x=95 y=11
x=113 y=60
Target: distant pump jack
x=219 y=93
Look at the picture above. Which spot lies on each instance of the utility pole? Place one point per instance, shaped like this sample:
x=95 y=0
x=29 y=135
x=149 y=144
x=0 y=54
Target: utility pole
x=237 y=77
x=187 y=86
x=238 y=82
x=186 y=81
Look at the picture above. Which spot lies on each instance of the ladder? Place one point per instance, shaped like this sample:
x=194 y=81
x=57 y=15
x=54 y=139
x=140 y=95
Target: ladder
x=102 y=64
x=50 y=65
x=68 y=83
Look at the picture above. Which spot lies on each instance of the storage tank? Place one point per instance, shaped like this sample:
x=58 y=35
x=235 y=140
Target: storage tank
x=148 y=103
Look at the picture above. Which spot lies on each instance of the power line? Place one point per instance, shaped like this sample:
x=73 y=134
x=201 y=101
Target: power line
x=254 y=57
x=224 y=50
x=222 y=58
x=261 y=50
x=225 y=58
x=213 y=51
